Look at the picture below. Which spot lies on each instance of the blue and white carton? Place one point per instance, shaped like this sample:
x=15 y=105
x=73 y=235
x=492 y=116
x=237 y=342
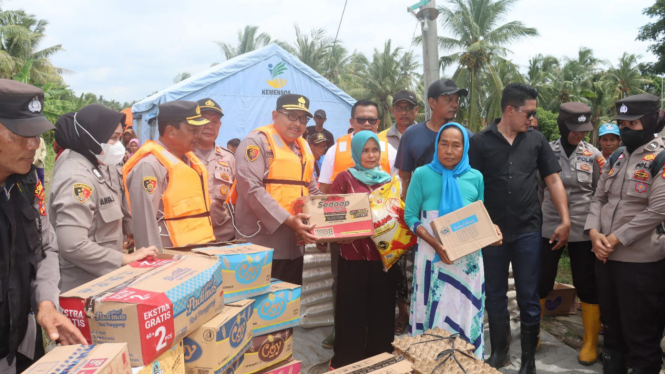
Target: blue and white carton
x=278 y=309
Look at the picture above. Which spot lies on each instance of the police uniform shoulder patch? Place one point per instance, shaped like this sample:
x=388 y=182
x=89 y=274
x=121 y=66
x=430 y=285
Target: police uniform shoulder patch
x=218 y=150
x=39 y=194
x=149 y=184
x=224 y=190
x=641 y=187
x=82 y=192
x=601 y=161
x=252 y=152
x=650 y=157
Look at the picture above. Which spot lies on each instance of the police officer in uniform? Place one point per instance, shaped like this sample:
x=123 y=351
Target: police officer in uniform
x=87 y=204
x=581 y=164
x=28 y=250
x=221 y=164
x=273 y=168
x=167 y=185
x=625 y=224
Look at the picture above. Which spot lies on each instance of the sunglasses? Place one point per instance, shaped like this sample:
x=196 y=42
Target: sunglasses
x=529 y=114
x=361 y=120
x=294 y=117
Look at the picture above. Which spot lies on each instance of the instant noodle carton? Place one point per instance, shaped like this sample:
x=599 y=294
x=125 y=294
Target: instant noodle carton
x=266 y=351
x=246 y=267
x=84 y=359
x=337 y=217
x=465 y=230
x=221 y=342
x=170 y=362
x=384 y=363
x=151 y=305
x=278 y=309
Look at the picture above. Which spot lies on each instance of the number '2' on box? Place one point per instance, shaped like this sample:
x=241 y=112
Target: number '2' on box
x=151 y=305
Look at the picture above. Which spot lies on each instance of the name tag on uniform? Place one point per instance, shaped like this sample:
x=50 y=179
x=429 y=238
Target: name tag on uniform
x=342 y=146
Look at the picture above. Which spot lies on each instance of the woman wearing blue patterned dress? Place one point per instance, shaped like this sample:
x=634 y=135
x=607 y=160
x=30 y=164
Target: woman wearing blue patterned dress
x=448 y=295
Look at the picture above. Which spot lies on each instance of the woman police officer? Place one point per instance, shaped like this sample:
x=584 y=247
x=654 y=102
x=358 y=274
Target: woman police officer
x=86 y=201
x=581 y=164
x=625 y=226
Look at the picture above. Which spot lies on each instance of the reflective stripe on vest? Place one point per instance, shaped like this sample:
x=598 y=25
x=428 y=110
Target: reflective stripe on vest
x=186 y=202
x=344 y=160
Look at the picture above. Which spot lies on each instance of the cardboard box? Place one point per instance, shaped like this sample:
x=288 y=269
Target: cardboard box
x=337 y=217
x=561 y=301
x=266 y=351
x=246 y=269
x=151 y=311
x=465 y=230
x=220 y=342
x=290 y=366
x=84 y=359
x=278 y=309
x=170 y=362
x=384 y=363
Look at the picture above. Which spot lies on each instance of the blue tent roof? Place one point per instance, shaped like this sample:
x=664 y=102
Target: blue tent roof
x=247 y=87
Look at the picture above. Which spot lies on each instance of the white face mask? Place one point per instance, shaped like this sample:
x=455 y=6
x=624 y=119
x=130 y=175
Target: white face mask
x=112 y=154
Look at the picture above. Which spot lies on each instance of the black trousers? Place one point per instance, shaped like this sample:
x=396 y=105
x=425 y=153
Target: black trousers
x=582 y=264
x=288 y=270
x=365 y=312
x=632 y=308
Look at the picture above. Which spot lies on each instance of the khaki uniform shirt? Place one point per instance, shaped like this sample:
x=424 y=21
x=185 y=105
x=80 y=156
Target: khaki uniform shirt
x=221 y=164
x=394 y=136
x=88 y=211
x=579 y=174
x=630 y=203
x=258 y=217
x=147 y=206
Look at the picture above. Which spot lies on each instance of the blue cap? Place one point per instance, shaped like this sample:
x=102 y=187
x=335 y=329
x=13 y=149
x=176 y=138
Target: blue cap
x=608 y=128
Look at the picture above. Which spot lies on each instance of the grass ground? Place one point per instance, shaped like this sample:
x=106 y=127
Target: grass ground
x=564 y=275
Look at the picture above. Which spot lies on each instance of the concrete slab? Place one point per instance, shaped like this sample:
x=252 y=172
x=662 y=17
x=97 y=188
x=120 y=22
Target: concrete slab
x=553 y=356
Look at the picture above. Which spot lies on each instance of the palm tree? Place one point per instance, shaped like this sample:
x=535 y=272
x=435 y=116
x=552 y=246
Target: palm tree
x=626 y=78
x=541 y=73
x=478 y=39
x=312 y=49
x=20 y=37
x=181 y=77
x=389 y=71
x=248 y=40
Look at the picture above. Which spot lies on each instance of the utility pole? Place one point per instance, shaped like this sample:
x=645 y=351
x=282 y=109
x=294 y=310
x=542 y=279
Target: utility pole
x=427 y=16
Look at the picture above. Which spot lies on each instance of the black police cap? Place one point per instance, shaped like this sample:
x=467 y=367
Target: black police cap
x=636 y=106
x=294 y=102
x=22 y=109
x=211 y=105
x=181 y=111
x=576 y=116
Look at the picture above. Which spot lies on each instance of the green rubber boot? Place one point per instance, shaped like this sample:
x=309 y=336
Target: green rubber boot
x=329 y=341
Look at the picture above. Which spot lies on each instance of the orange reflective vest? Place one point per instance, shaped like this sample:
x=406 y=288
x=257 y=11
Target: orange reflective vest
x=186 y=199
x=344 y=160
x=288 y=176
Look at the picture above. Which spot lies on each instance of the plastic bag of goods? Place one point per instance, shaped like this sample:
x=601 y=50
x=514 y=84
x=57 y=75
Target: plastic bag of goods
x=391 y=234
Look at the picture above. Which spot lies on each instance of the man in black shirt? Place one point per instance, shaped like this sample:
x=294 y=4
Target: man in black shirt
x=319 y=120
x=510 y=155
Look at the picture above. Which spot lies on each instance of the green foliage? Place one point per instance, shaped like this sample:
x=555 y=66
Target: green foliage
x=547 y=124
x=655 y=32
x=248 y=40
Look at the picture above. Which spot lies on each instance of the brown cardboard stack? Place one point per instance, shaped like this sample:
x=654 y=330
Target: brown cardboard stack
x=84 y=359
x=384 y=363
x=170 y=362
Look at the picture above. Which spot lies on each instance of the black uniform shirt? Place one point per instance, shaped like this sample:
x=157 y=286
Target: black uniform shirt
x=510 y=173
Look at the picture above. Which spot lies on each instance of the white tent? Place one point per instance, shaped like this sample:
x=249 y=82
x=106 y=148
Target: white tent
x=247 y=87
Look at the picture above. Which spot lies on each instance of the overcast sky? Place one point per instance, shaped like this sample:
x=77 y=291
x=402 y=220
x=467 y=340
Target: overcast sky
x=126 y=50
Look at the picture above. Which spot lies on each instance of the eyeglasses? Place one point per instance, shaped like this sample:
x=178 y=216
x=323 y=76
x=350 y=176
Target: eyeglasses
x=529 y=114
x=361 y=120
x=405 y=108
x=294 y=117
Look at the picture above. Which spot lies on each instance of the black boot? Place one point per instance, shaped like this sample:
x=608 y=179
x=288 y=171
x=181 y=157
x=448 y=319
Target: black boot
x=614 y=362
x=529 y=335
x=500 y=341
x=645 y=371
